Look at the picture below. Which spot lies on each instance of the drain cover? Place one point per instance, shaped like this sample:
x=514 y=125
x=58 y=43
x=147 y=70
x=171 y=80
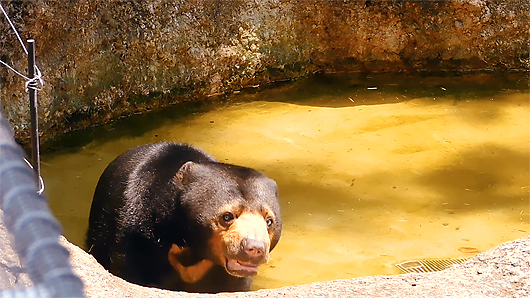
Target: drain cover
x=428 y=265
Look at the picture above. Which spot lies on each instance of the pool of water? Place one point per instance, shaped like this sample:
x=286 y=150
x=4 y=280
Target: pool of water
x=372 y=169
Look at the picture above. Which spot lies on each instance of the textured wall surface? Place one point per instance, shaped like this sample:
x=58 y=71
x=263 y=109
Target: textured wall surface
x=106 y=59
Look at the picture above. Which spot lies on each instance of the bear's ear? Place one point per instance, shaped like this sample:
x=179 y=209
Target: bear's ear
x=185 y=173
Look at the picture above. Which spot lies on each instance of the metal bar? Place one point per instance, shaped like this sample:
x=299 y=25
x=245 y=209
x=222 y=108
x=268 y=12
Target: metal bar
x=36 y=231
x=33 y=107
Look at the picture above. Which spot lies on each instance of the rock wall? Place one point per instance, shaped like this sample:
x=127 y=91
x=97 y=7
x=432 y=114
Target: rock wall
x=105 y=59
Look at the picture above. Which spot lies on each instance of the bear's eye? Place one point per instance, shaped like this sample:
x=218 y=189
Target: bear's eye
x=269 y=222
x=228 y=217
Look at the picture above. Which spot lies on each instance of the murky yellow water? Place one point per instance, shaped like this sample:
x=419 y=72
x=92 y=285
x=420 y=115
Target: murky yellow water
x=417 y=168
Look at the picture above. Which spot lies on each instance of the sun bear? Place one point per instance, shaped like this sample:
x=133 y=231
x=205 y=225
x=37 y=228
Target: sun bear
x=171 y=216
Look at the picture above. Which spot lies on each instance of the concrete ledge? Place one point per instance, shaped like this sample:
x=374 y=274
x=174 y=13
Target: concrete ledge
x=503 y=271
x=12 y=273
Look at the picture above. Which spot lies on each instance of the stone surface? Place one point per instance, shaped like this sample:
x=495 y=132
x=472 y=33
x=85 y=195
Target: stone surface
x=503 y=271
x=12 y=273
x=106 y=59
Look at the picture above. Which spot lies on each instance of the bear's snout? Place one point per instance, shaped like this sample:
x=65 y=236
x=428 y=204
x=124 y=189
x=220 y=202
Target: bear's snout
x=244 y=245
x=247 y=239
x=254 y=249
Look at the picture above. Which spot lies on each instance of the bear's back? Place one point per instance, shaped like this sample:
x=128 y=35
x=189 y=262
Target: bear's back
x=126 y=184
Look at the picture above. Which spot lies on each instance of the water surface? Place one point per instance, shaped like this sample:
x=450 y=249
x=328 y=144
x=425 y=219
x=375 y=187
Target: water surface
x=372 y=170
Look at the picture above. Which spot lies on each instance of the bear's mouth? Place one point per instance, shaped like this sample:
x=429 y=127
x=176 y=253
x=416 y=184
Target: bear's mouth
x=240 y=268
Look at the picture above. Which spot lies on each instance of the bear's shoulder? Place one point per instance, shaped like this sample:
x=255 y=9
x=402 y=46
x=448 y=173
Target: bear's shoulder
x=150 y=171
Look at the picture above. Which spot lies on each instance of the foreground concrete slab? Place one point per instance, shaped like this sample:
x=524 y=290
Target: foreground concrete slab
x=12 y=273
x=503 y=271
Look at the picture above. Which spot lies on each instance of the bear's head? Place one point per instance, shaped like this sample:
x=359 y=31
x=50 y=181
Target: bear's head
x=233 y=215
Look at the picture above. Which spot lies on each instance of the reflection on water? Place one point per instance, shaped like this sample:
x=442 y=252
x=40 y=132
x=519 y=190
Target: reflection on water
x=372 y=170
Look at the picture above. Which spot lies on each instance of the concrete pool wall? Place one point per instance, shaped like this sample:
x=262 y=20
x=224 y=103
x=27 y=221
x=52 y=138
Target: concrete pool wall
x=104 y=60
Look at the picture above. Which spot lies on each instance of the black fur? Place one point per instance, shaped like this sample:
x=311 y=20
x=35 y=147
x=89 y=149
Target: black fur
x=140 y=209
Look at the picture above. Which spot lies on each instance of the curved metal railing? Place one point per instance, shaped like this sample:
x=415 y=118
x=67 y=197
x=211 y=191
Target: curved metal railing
x=36 y=231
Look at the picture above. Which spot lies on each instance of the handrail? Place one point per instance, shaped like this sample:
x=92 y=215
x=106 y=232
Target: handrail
x=36 y=231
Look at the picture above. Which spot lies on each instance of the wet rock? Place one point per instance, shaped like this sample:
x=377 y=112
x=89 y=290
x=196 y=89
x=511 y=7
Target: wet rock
x=105 y=59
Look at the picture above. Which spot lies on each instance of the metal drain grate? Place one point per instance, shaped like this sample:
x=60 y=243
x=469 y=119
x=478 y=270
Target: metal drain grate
x=428 y=265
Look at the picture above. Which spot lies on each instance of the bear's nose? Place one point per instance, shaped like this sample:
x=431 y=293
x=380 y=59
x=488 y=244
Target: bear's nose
x=254 y=248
